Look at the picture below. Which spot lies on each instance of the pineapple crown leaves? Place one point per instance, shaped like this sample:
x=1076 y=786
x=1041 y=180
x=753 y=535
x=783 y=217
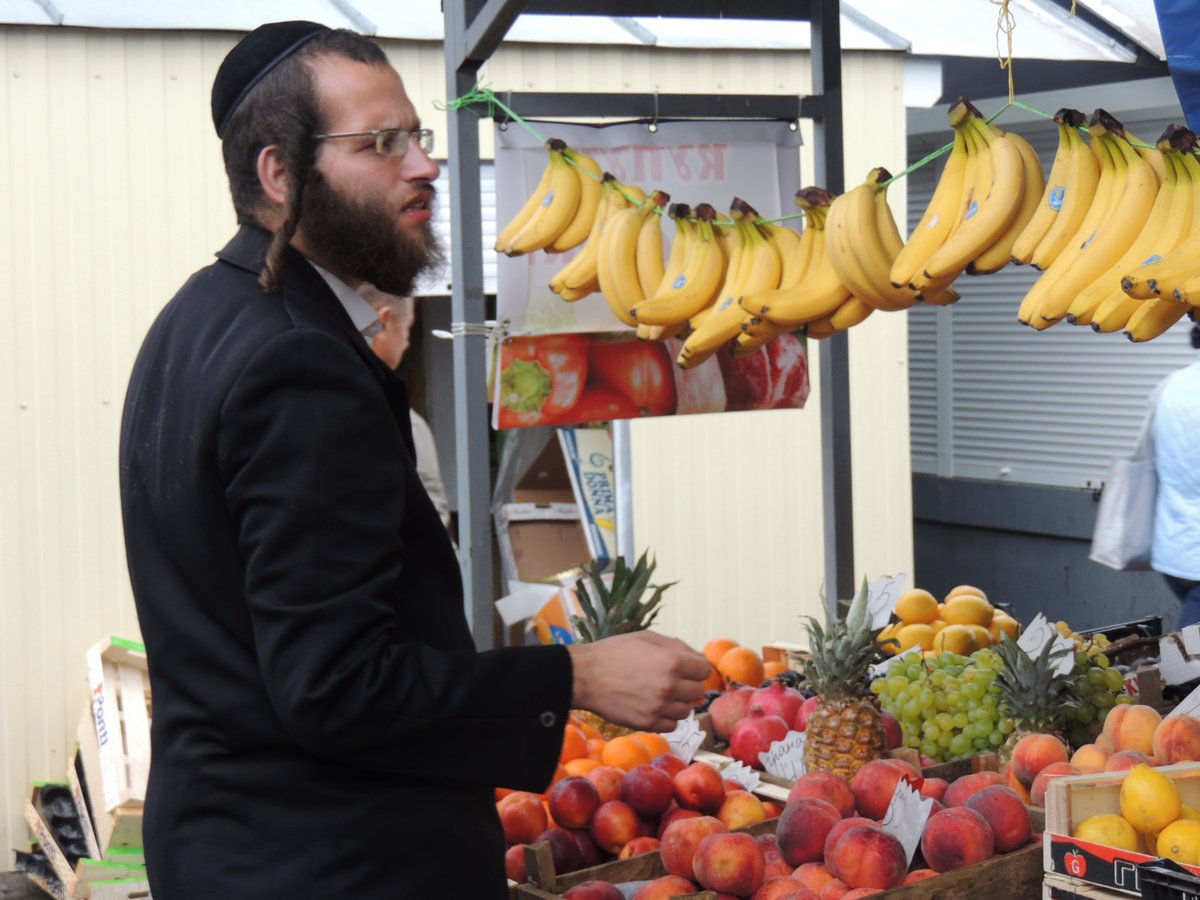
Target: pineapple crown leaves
x=842 y=651
x=1032 y=692
x=617 y=609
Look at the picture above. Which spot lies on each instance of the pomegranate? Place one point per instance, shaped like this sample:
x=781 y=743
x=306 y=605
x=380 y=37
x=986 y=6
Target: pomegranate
x=728 y=709
x=754 y=735
x=800 y=722
x=776 y=699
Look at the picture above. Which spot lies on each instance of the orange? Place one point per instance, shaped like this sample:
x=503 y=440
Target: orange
x=652 y=741
x=955 y=639
x=595 y=747
x=581 y=766
x=743 y=665
x=625 y=752
x=967 y=609
x=968 y=589
x=716 y=648
x=983 y=637
x=771 y=669
x=589 y=730
x=574 y=744
x=916 y=607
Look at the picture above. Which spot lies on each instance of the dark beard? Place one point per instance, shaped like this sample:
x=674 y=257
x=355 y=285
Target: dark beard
x=363 y=240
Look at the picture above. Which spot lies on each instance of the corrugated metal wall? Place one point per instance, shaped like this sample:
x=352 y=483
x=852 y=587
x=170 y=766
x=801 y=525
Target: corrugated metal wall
x=114 y=193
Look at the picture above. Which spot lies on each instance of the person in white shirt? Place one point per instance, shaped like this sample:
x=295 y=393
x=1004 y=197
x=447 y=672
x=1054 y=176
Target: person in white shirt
x=390 y=342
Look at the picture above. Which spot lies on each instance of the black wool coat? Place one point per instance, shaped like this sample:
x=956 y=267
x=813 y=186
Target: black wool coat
x=323 y=726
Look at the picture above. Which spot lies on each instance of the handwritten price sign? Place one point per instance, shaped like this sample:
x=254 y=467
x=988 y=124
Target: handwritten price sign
x=882 y=594
x=785 y=758
x=906 y=816
x=742 y=774
x=686 y=739
x=1038 y=634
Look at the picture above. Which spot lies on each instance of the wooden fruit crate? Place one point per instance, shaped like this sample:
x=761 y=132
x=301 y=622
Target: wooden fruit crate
x=1060 y=887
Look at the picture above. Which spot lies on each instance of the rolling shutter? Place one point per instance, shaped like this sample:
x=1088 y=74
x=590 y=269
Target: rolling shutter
x=438 y=283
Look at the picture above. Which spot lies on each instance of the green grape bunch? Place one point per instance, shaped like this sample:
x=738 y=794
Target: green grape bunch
x=1099 y=683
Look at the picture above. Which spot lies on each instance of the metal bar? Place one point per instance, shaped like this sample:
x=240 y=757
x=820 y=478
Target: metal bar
x=866 y=23
x=468 y=305
x=485 y=30
x=828 y=150
x=782 y=10
x=362 y=24
x=623 y=478
x=52 y=12
x=663 y=106
x=636 y=29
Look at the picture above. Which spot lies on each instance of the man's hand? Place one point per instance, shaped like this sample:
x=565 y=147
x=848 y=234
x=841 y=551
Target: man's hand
x=641 y=680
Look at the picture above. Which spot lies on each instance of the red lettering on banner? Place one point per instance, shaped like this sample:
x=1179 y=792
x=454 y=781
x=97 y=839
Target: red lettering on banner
x=712 y=161
x=679 y=157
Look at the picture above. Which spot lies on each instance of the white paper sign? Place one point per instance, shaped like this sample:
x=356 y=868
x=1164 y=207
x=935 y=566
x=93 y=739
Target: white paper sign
x=785 y=758
x=906 y=816
x=525 y=601
x=882 y=594
x=1178 y=654
x=742 y=774
x=1038 y=634
x=687 y=737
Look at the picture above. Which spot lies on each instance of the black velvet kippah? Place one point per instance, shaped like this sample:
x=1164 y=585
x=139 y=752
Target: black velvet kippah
x=252 y=59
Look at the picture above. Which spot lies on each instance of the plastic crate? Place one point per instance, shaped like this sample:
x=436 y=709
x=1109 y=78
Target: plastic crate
x=1165 y=879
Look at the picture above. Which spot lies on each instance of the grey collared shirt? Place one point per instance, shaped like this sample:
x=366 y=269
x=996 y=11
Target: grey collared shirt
x=361 y=313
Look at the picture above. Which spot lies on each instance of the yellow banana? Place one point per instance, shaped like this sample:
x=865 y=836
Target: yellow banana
x=591 y=189
x=938 y=219
x=1153 y=318
x=556 y=210
x=696 y=285
x=794 y=251
x=681 y=244
x=995 y=205
x=1151 y=154
x=578 y=277
x=853 y=312
x=649 y=254
x=858 y=247
x=518 y=221
x=1081 y=185
x=1161 y=277
x=616 y=265
x=658 y=332
x=999 y=254
x=1113 y=312
x=753 y=339
x=1126 y=217
x=1053 y=192
x=1188 y=292
x=758 y=269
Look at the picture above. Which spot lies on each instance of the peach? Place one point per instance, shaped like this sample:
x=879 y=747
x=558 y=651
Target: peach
x=1130 y=726
x=813 y=875
x=594 y=890
x=614 y=825
x=638 y=846
x=934 y=788
x=648 y=789
x=875 y=783
x=573 y=801
x=607 y=780
x=1177 y=739
x=664 y=888
x=1104 y=742
x=772 y=808
x=775 y=865
x=680 y=840
x=956 y=837
x=731 y=862
x=1123 y=760
x=802 y=830
x=824 y=786
x=669 y=763
x=768 y=841
x=918 y=875
x=835 y=835
x=675 y=812
x=700 y=787
x=961 y=789
x=589 y=853
x=1089 y=755
x=833 y=890
x=1010 y=780
x=522 y=817
x=781 y=888
x=563 y=849
x=1007 y=815
x=740 y=809
x=732 y=784
x=514 y=863
x=1033 y=753
x=1037 y=791
x=866 y=856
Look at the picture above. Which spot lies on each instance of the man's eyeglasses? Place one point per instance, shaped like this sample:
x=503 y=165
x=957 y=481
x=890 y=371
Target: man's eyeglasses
x=390 y=142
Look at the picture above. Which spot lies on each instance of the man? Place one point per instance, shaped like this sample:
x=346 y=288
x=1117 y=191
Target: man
x=323 y=725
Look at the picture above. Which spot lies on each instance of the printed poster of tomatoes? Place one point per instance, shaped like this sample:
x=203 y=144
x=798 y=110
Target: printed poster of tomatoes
x=569 y=379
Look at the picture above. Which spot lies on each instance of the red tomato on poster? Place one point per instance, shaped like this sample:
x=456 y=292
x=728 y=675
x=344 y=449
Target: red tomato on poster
x=640 y=370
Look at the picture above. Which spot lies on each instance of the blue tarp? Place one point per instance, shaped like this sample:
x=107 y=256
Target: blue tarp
x=1179 y=22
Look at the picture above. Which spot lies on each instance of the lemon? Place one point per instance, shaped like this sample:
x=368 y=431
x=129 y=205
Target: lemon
x=937 y=625
x=1149 y=799
x=966 y=609
x=983 y=637
x=964 y=589
x=1003 y=623
x=917 y=635
x=1189 y=812
x=916 y=607
x=955 y=639
x=1180 y=841
x=1108 y=829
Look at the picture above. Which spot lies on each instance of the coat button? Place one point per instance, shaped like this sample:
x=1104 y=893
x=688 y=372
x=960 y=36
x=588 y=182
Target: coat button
x=548 y=719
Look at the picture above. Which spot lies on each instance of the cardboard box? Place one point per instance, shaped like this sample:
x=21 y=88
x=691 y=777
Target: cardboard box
x=588 y=453
x=1072 y=798
x=119 y=679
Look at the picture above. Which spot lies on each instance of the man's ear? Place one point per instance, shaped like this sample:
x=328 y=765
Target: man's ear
x=385 y=316
x=273 y=175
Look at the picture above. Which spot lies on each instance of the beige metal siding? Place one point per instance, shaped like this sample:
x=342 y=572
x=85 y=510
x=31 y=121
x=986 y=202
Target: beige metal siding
x=113 y=193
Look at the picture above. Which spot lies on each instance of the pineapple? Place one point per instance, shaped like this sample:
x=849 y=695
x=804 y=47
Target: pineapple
x=615 y=610
x=845 y=731
x=1032 y=694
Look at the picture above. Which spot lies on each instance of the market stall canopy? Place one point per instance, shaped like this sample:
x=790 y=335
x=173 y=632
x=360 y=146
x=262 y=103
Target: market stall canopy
x=1100 y=31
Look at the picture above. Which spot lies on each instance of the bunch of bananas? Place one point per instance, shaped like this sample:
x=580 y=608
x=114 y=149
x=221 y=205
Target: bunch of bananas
x=988 y=192
x=559 y=214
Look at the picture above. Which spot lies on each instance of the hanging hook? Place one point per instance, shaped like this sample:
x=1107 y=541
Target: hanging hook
x=653 y=126
x=794 y=125
x=503 y=124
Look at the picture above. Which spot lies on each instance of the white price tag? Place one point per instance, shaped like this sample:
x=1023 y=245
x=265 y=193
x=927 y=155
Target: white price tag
x=1188 y=706
x=785 y=758
x=882 y=594
x=906 y=816
x=687 y=737
x=742 y=774
x=1038 y=634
